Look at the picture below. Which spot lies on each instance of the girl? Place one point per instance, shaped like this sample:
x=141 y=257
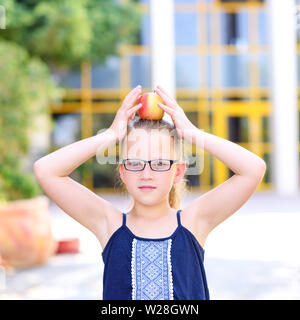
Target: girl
x=154 y=251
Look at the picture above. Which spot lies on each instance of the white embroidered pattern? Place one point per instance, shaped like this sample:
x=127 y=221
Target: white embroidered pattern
x=133 y=269
x=151 y=270
x=170 y=270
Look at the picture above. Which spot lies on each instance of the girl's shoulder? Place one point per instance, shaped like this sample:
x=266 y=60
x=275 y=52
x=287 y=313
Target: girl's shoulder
x=114 y=220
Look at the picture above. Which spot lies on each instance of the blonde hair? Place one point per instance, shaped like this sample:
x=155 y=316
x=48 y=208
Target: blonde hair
x=179 y=189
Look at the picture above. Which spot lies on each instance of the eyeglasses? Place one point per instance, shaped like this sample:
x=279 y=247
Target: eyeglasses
x=155 y=165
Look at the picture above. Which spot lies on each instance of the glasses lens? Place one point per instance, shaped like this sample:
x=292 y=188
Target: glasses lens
x=134 y=164
x=160 y=165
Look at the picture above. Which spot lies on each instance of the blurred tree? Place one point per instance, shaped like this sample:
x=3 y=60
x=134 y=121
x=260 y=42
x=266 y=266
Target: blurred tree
x=24 y=95
x=65 y=33
x=40 y=34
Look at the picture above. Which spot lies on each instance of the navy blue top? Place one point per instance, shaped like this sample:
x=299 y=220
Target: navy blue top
x=168 y=268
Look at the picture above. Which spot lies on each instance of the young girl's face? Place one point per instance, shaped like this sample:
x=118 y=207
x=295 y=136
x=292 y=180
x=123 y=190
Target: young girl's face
x=150 y=145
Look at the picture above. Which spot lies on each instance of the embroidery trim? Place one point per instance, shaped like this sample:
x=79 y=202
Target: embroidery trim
x=170 y=270
x=133 y=274
x=151 y=270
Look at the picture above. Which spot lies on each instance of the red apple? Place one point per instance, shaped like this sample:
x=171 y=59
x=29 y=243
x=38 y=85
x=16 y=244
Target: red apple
x=149 y=109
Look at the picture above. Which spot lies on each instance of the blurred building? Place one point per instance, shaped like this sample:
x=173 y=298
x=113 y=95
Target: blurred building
x=222 y=54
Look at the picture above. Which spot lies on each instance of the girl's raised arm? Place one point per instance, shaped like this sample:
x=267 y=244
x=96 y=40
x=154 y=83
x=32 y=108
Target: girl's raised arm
x=52 y=172
x=76 y=200
x=216 y=205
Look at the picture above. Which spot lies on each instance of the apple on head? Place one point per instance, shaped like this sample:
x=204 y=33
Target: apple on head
x=149 y=109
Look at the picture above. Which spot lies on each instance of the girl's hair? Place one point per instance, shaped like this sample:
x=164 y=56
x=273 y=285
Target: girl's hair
x=178 y=189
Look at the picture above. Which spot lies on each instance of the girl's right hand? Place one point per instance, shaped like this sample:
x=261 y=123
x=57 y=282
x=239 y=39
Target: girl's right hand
x=126 y=113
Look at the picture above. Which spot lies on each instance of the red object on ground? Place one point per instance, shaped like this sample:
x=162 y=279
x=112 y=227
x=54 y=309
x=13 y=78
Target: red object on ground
x=70 y=245
x=4 y=264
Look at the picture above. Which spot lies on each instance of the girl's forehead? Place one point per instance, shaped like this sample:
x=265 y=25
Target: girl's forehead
x=149 y=145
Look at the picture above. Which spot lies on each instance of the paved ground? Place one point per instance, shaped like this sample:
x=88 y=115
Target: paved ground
x=252 y=255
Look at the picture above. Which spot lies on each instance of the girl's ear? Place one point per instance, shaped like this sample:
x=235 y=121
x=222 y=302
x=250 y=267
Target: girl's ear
x=121 y=172
x=180 y=171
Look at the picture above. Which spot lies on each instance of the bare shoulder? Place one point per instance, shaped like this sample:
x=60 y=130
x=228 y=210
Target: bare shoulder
x=113 y=221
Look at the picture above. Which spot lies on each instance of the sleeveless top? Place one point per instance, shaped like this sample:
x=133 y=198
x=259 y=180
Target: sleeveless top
x=170 y=268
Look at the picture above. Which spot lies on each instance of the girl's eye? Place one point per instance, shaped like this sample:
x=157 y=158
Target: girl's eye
x=135 y=163
x=161 y=164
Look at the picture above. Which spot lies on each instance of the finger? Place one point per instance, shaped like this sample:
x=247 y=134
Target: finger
x=169 y=110
x=161 y=88
x=166 y=93
x=167 y=99
x=133 y=110
x=134 y=90
x=132 y=98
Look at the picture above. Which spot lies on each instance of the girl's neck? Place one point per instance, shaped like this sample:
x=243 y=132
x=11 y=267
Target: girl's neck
x=151 y=213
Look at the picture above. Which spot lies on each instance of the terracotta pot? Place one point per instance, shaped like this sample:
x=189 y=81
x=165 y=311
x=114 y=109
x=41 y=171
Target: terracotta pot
x=26 y=237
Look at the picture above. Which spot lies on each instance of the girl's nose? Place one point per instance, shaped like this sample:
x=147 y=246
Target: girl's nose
x=147 y=171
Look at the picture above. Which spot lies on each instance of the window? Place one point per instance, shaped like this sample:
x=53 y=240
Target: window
x=140 y=72
x=108 y=75
x=186 y=29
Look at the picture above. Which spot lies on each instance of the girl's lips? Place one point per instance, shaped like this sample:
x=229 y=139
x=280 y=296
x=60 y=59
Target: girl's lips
x=147 y=188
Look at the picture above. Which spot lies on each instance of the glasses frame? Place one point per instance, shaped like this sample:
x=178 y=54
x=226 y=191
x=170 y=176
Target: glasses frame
x=149 y=161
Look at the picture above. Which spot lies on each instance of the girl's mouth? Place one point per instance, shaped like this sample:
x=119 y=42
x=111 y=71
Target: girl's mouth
x=147 y=188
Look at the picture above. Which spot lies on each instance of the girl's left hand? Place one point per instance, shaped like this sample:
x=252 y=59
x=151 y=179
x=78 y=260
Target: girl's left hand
x=183 y=125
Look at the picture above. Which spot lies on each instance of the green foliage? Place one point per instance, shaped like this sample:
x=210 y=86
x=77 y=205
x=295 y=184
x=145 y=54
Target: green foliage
x=65 y=33
x=41 y=35
x=16 y=185
x=25 y=91
x=119 y=25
